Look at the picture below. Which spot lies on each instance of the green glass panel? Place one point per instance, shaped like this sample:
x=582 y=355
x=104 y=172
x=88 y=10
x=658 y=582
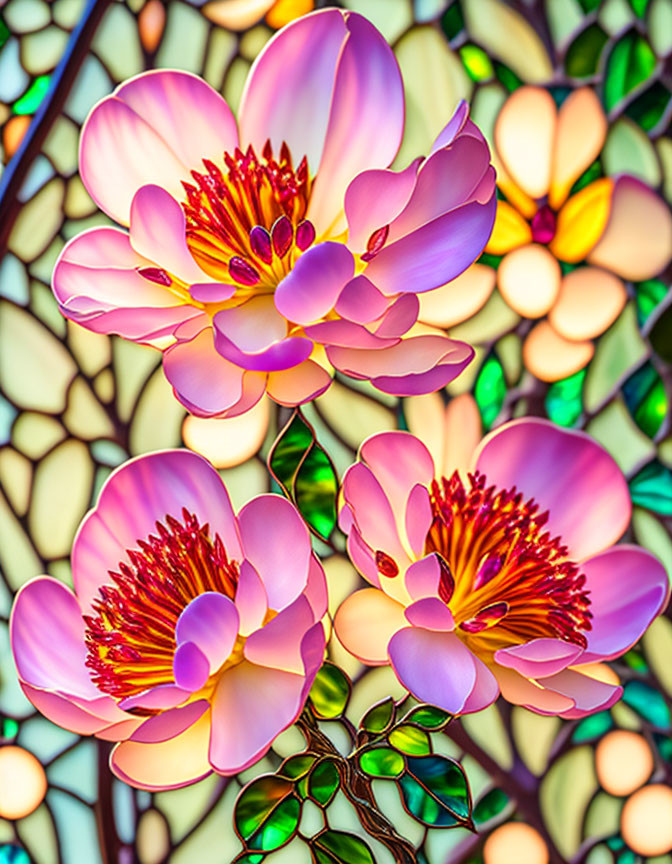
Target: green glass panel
x=410 y=739
x=477 y=63
x=248 y=858
x=649 y=294
x=32 y=98
x=266 y=813
x=589 y=5
x=507 y=77
x=429 y=717
x=338 y=847
x=592 y=173
x=422 y=806
x=378 y=718
x=631 y=62
x=330 y=692
x=382 y=762
x=661 y=335
x=4 y=32
x=664 y=744
x=583 y=55
x=297 y=766
x=646 y=399
x=628 y=857
x=649 y=109
x=324 y=782
x=445 y=781
x=615 y=843
x=9 y=728
x=490 y=805
x=652 y=488
x=647 y=702
x=639 y=7
x=11 y=854
x=289 y=449
x=563 y=400
x=635 y=661
x=490 y=260
x=490 y=390
x=452 y=21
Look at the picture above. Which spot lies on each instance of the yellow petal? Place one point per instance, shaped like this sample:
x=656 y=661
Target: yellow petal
x=509 y=232
x=524 y=137
x=579 y=137
x=582 y=221
x=637 y=243
x=550 y=357
x=284 y=11
x=590 y=300
x=457 y=300
x=529 y=280
x=228 y=442
x=522 y=202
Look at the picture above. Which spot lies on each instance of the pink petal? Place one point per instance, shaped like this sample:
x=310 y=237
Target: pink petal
x=211 y=292
x=63 y=712
x=153 y=129
x=316 y=588
x=567 y=473
x=520 y=691
x=312 y=651
x=251 y=600
x=162 y=697
x=312 y=286
x=374 y=199
x=277 y=645
x=347 y=334
x=540 y=657
x=243 y=727
x=276 y=542
x=430 y=613
x=210 y=621
x=134 y=497
x=423 y=577
x=180 y=761
x=435 y=253
x=418 y=518
x=169 y=724
x=453 y=127
x=366 y=621
x=445 y=680
x=485 y=690
x=119 y=731
x=299 y=384
x=362 y=556
x=158 y=232
x=361 y=301
x=588 y=694
x=190 y=667
x=621 y=616
x=400 y=316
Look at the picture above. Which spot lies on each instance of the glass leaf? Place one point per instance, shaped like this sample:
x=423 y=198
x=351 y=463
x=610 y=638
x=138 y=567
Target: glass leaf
x=267 y=813
x=490 y=805
x=330 y=692
x=324 y=782
x=646 y=399
x=339 y=847
x=630 y=63
x=410 y=739
x=382 y=762
x=652 y=488
x=379 y=718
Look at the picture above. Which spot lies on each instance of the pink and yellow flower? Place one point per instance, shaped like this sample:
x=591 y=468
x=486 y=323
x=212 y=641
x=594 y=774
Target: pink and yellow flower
x=503 y=578
x=619 y=227
x=185 y=624
x=264 y=254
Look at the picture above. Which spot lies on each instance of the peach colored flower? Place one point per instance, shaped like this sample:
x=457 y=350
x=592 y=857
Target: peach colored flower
x=185 y=624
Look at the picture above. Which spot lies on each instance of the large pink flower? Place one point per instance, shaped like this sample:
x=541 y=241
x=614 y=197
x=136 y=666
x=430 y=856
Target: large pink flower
x=264 y=254
x=502 y=579
x=186 y=623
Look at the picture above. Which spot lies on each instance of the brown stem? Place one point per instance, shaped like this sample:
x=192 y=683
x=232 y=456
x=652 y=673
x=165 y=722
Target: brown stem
x=357 y=790
x=108 y=839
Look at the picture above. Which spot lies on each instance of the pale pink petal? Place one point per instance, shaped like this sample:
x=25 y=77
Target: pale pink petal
x=485 y=690
x=567 y=473
x=588 y=694
x=430 y=613
x=435 y=253
x=134 y=497
x=521 y=691
x=277 y=544
x=251 y=706
x=361 y=301
x=362 y=556
x=251 y=599
x=211 y=292
x=312 y=651
x=400 y=316
x=277 y=644
x=180 y=761
x=119 y=731
x=447 y=680
x=399 y=461
x=540 y=657
x=190 y=667
x=418 y=518
x=453 y=127
x=459 y=299
x=211 y=622
x=312 y=286
x=63 y=712
x=169 y=724
x=374 y=199
x=161 y=697
x=366 y=621
x=299 y=384
x=347 y=334
x=627 y=587
x=422 y=577
x=316 y=588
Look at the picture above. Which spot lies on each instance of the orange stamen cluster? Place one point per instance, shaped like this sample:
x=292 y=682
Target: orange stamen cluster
x=247 y=223
x=131 y=635
x=506 y=580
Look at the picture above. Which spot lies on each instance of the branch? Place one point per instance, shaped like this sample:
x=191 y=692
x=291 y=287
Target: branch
x=108 y=840
x=62 y=80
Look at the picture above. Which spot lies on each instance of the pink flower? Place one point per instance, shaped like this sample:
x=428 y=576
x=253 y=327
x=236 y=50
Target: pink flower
x=185 y=624
x=264 y=254
x=504 y=579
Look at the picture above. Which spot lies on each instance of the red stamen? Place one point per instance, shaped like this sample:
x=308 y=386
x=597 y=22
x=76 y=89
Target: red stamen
x=260 y=241
x=242 y=272
x=305 y=235
x=156 y=274
x=485 y=618
x=282 y=234
x=386 y=565
x=375 y=243
x=544 y=225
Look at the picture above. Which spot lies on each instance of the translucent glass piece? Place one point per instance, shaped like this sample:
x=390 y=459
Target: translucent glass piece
x=41 y=51
x=12 y=700
x=630 y=62
x=650 y=109
x=659 y=20
x=15 y=477
x=91 y=84
x=208 y=837
x=40 y=171
x=614 y=15
x=490 y=390
x=35 y=434
x=61 y=146
x=67 y=12
x=494 y=319
x=593 y=727
x=32 y=98
x=78 y=203
x=117 y=43
x=13 y=280
x=534 y=735
x=628 y=150
x=44 y=306
x=252 y=41
x=352 y=415
x=38 y=221
x=235 y=81
x=24 y=16
x=583 y=55
x=652 y=488
x=13 y=78
x=221 y=50
x=486 y=728
x=427 y=10
x=646 y=399
x=84 y=416
x=392 y=19
x=184 y=39
x=603 y=815
x=476 y=62
x=563 y=400
x=615 y=429
x=647 y=702
x=79 y=846
x=564 y=17
x=132 y=366
x=152 y=838
x=565 y=792
x=652 y=534
x=38 y=834
x=157 y=400
x=44 y=739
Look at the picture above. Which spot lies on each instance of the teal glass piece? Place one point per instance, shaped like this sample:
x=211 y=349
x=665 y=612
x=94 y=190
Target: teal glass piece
x=490 y=390
x=444 y=797
x=648 y=703
x=651 y=107
x=627 y=856
x=9 y=728
x=630 y=63
x=645 y=396
x=583 y=55
x=11 y=854
x=593 y=727
x=564 y=399
x=664 y=745
x=652 y=488
x=452 y=21
x=476 y=62
x=648 y=295
x=32 y=98
x=108 y=453
x=615 y=843
x=491 y=804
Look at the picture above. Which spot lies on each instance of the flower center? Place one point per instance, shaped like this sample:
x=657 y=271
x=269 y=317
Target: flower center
x=504 y=578
x=544 y=225
x=247 y=224
x=131 y=635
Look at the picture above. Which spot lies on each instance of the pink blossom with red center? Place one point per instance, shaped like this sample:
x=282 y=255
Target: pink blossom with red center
x=262 y=255
x=504 y=578
x=186 y=622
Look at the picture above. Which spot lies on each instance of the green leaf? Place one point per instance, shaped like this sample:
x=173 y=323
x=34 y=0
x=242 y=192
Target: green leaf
x=410 y=739
x=564 y=399
x=491 y=804
x=649 y=294
x=379 y=717
x=330 y=692
x=435 y=791
x=645 y=396
x=266 y=814
x=593 y=727
x=428 y=717
x=648 y=703
x=650 y=107
x=630 y=63
x=248 y=858
x=490 y=390
x=324 y=782
x=339 y=847
x=297 y=766
x=652 y=488
x=382 y=762
x=583 y=55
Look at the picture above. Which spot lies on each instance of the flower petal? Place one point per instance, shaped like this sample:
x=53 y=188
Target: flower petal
x=399 y=462
x=447 y=680
x=190 y=667
x=521 y=691
x=312 y=286
x=529 y=280
x=589 y=302
x=459 y=299
x=299 y=384
x=418 y=518
x=422 y=577
x=211 y=622
x=582 y=221
x=169 y=724
x=251 y=599
x=567 y=473
x=539 y=658
x=277 y=645
x=62 y=711
x=347 y=334
x=463 y=431
x=509 y=231
x=360 y=301
x=587 y=693
x=484 y=691
x=551 y=357
x=430 y=613
x=366 y=621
